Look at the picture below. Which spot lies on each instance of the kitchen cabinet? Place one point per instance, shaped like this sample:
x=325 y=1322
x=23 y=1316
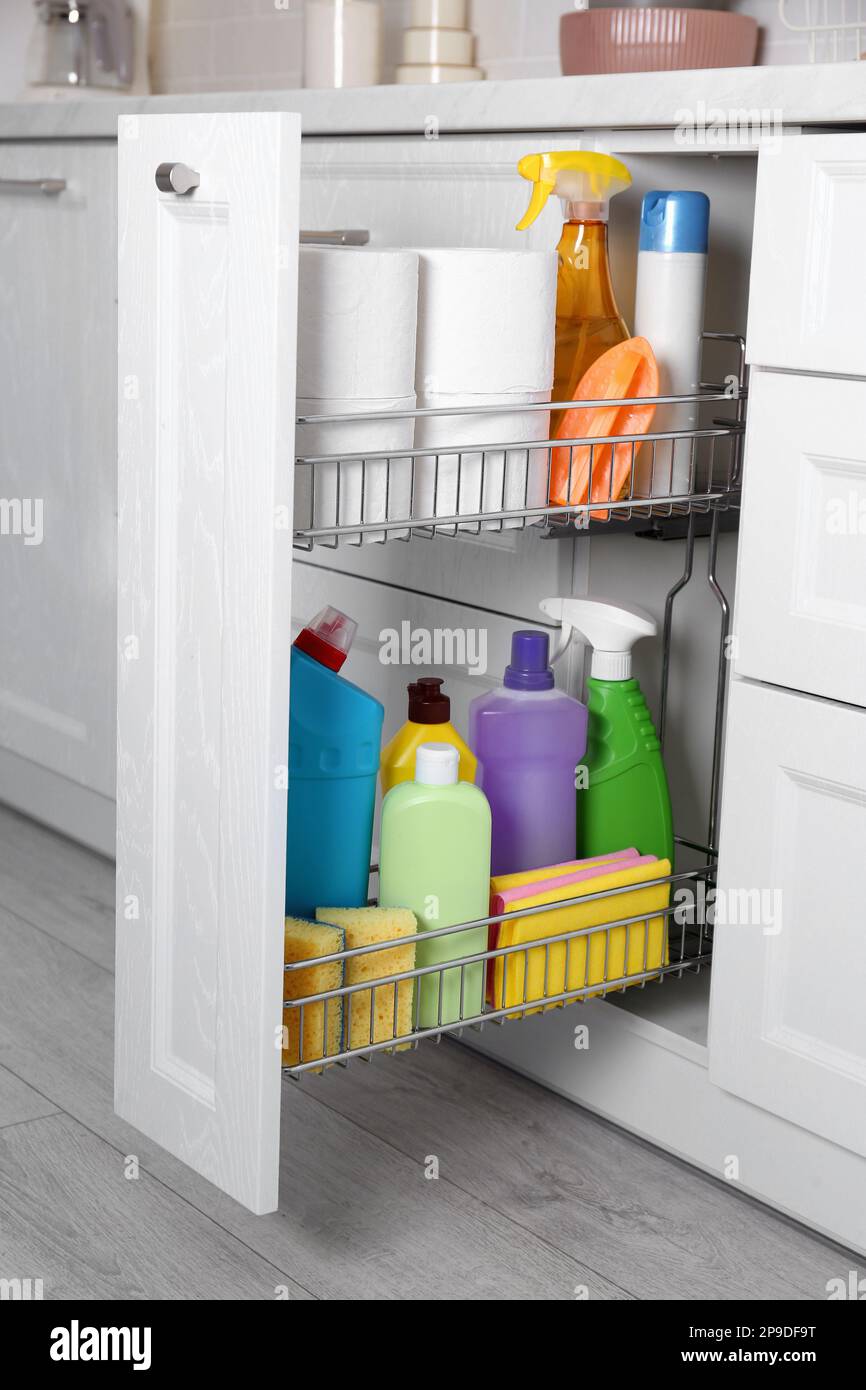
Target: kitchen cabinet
x=786 y=1029
x=809 y=276
x=58 y=450
x=209 y=590
x=801 y=596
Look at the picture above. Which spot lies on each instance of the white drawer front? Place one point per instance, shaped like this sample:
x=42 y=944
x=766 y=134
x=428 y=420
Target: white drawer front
x=801 y=587
x=787 y=1023
x=808 y=290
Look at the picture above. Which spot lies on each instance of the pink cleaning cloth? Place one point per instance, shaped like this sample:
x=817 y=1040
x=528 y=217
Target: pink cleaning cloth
x=499 y=902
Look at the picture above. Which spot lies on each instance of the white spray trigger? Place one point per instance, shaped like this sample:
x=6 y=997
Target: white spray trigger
x=610 y=629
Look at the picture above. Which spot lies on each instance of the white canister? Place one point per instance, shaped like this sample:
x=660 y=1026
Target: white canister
x=435 y=74
x=669 y=313
x=455 y=47
x=439 y=14
x=342 y=43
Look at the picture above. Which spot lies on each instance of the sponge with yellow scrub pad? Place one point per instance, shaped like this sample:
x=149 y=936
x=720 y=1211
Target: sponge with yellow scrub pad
x=594 y=959
x=322 y=1023
x=371 y=1015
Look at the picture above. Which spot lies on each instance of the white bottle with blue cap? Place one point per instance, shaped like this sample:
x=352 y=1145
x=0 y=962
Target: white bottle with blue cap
x=669 y=313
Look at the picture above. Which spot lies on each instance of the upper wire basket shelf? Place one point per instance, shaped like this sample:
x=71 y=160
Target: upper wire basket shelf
x=467 y=470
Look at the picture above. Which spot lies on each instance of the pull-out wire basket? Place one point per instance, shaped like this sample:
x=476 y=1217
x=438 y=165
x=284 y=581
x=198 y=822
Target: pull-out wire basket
x=536 y=958
x=559 y=965
x=467 y=470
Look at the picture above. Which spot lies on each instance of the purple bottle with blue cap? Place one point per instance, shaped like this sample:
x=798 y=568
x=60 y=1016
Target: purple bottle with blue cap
x=529 y=739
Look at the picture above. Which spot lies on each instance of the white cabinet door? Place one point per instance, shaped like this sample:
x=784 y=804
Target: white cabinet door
x=58 y=487
x=808 y=294
x=787 y=1016
x=207 y=341
x=801 y=581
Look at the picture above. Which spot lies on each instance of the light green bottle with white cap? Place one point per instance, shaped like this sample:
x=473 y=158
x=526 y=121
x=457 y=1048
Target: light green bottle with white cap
x=435 y=859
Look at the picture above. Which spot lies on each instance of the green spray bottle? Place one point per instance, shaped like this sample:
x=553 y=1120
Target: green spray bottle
x=625 y=800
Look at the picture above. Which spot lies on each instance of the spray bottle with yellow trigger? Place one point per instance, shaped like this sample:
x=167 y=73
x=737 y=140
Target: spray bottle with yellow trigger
x=588 y=321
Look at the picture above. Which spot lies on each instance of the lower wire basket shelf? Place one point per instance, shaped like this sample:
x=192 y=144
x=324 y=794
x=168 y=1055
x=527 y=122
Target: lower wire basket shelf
x=536 y=959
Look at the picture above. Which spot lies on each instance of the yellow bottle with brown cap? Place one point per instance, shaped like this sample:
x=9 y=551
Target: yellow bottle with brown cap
x=429 y=722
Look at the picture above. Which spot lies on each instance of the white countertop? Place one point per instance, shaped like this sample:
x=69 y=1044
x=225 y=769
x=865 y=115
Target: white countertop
x=825 y=94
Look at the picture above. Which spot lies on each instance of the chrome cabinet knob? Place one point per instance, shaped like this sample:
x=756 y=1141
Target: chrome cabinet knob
x=176 y=178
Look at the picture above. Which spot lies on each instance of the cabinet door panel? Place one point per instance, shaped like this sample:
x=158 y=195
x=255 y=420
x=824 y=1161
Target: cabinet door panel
x=801 y=579
x=58 y=450
x=808 y=295
x=787 y=1022
x=207 y=341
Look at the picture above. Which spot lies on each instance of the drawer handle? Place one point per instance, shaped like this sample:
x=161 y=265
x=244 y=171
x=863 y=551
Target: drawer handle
x=50 y=187
x=346 y=238
x=176 y=178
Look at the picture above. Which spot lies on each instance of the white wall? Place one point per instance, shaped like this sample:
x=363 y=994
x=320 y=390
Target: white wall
x=16 y=22
x=211 y=45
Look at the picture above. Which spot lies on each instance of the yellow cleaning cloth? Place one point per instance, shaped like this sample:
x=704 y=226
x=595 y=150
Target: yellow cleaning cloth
x=370 y=1013
x=592 y=959
x=306 y=941
x=503 y=882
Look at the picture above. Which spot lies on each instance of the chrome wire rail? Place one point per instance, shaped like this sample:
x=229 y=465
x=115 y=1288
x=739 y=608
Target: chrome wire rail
x=567 y=966
x=435 y=485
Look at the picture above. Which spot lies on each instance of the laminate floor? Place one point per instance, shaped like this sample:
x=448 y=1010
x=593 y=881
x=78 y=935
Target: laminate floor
x=535 y=1198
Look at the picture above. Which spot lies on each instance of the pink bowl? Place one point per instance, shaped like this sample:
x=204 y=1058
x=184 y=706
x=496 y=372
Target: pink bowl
x=655 y=40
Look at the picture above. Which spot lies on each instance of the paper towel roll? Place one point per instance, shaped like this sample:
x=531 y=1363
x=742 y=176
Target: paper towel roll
x=486 y=321
x=368 y=491
x=357 y=320
x=491 y=480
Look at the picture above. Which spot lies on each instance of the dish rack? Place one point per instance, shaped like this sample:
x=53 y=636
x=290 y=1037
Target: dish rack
x=622 y=952
x=492 y=473
x=835 y=29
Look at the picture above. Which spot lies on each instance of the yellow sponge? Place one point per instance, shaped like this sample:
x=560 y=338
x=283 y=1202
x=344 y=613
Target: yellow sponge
x=373 y=1010
x=306 y=941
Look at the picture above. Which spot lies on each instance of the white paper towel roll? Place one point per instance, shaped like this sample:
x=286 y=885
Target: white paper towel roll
x=491 y=480
x=486 y=322
x=368 y=491
x=357 y=319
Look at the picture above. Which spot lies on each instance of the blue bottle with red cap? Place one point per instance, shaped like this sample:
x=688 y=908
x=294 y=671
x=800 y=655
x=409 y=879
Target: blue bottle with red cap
x=335 y=735
x=529 y=739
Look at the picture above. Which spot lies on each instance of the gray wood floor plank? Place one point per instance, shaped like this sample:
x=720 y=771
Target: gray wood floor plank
x=648 y=1222
x=62 y=887
x=19 y=1102
x=519 y=1167
x=356 y=1217
x=70 y=1217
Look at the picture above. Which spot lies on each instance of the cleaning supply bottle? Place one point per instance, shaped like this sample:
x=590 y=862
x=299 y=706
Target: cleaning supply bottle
x=669 y=311
x=625 y=801
x=588 y=321
x=429 y=722
x=435 y=859
x=335 y=732
x=529 y=739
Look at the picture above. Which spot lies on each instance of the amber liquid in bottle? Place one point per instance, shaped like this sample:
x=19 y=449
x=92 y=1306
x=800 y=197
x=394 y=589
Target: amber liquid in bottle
x=588 y=321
